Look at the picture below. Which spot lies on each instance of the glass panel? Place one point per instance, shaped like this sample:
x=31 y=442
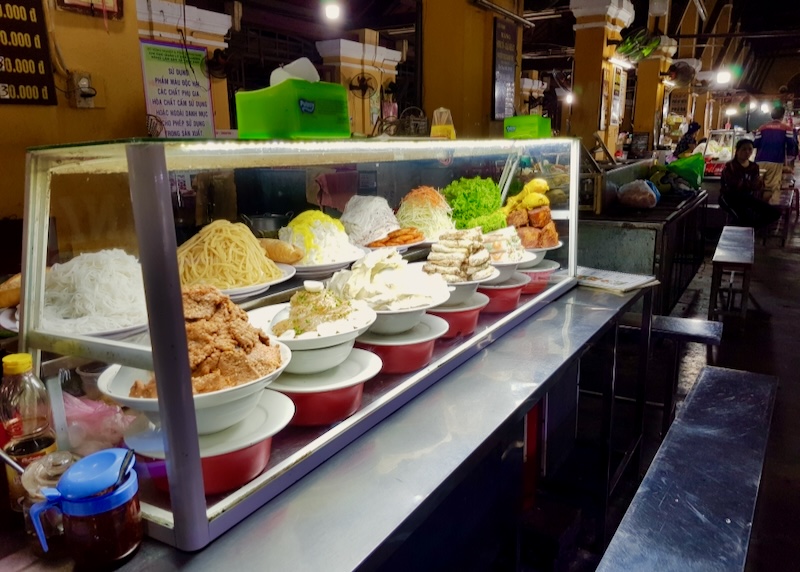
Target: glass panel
x=84 y=192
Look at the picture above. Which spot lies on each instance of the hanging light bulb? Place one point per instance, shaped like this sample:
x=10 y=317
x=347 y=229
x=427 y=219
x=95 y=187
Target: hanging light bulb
x=723 y=77
x=332 y=10
x=753 y=105
x=658 y=8
x=569 y=99
x=730 y=111
x=764 y=108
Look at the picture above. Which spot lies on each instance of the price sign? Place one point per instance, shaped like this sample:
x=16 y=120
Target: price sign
x=505 y=68
x=26 y=76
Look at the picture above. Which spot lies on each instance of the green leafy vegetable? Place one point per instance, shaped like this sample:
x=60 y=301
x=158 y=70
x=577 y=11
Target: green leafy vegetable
x=489 y=222
x=472 y=198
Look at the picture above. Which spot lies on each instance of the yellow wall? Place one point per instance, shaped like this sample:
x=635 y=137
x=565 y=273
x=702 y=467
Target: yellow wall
x=113 y=59
x=457 y=63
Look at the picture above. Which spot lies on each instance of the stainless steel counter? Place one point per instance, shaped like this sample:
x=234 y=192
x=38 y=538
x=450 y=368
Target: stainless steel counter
x=360 y=504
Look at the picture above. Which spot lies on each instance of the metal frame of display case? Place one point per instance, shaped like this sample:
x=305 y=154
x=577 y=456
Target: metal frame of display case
x=190 y=522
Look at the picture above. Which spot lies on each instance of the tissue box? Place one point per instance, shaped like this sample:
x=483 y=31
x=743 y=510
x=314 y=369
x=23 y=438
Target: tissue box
x=527 y=127
x=294 y=109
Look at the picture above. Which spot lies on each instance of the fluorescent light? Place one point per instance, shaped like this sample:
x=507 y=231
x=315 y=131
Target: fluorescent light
x=753 y=105
x=668 y=82
x=332 y=11
x=621 y=63
x=764 y=108
x=569 y=99
x=730 y=111
x=723 y=77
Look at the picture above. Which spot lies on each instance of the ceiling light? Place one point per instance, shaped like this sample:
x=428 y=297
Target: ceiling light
x=730 y=111
x=569 y=99
x=753 y=105
x=332 y=11
x=764 y=108
x=723 y=77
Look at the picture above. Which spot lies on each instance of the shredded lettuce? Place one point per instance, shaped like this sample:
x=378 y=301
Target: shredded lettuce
x=472 y=198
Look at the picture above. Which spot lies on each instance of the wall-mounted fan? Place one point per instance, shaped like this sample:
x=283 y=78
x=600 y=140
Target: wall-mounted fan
x=363 y=85
x=681 y=74
x=637 y=44
x=218 y=64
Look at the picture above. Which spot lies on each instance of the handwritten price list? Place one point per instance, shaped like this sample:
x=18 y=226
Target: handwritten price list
x=26 y=76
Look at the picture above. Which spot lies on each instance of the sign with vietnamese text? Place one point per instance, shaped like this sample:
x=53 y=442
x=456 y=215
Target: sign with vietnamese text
x=504 y=69
x=176 y=90
x=26 y=76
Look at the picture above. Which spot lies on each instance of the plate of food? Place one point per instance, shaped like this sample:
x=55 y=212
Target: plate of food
x=314 y=318
x=546 y=248
x=425 y=208
x=325 y=244
x=244 y=292
x=317 y=271
x=230 y=368
x=401 y=238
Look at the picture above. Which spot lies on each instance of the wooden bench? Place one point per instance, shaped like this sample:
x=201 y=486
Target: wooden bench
x=679 y=331
x=735 y=253
x=694 y=509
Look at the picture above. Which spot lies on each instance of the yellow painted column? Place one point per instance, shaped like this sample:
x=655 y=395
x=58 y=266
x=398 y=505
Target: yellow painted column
x=597 y=23
x=457 y=54
x=648 y=110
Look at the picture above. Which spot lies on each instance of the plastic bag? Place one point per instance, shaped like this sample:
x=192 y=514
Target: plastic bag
x=639 y=194
x=94 y=425
x=690 y=168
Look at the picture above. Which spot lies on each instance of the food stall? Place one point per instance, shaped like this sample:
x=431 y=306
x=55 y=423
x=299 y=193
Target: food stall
x=719 y=150
x=133 y=211
x=665 y=241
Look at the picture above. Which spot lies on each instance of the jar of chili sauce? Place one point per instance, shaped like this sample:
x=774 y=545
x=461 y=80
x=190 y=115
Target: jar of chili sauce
x=98 y=497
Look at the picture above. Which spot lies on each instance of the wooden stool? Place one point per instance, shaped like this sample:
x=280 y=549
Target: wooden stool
x=735 y=253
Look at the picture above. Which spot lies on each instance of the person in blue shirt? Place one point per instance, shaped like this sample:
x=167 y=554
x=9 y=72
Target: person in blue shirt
x=774 y=141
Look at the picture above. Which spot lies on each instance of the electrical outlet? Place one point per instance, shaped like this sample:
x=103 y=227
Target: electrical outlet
x=80 y=91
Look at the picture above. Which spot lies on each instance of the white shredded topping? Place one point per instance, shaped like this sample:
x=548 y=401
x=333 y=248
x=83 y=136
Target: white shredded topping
x=367 y=219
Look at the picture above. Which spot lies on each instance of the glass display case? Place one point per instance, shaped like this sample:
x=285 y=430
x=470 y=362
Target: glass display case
x=142 y=198
x=720 y=147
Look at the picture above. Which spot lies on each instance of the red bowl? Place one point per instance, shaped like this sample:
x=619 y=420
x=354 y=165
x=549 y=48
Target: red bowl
x=325 y=407
x=462 y=322
x=504 y=297
x=220 y=474
x=402 y=359
x=540 y=276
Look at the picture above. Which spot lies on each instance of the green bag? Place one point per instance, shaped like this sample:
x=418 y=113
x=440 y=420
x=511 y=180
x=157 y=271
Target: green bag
x=690 y=168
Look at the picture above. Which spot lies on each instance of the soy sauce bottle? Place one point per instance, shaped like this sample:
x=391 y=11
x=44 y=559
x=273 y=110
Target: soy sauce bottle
x=25 y=415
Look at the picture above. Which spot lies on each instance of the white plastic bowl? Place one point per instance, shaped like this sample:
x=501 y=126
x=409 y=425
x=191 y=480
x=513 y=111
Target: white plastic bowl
x=389 y=323
x=215 y=410
x=320 y=359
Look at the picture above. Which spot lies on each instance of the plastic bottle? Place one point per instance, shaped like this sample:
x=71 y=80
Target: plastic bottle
x=25 y=415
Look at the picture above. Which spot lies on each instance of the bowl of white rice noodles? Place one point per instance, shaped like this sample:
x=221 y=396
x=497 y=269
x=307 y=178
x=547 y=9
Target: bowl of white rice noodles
x=97 y=293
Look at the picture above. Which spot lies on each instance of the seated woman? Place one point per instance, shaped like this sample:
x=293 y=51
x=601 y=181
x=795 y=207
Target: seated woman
x=740 y=184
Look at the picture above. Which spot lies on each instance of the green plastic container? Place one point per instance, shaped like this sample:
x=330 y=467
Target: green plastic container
x=527 y=127
x=294 y=109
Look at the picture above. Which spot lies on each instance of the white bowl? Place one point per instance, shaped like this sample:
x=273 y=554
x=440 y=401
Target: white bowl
x=531 y=259
x=320 y=359
x=265 y=317
x=461 y=291
x=397 y=322
x=215 y=410
x=506 y=269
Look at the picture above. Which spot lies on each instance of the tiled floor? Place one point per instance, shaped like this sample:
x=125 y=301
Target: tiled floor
x=767 y=343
